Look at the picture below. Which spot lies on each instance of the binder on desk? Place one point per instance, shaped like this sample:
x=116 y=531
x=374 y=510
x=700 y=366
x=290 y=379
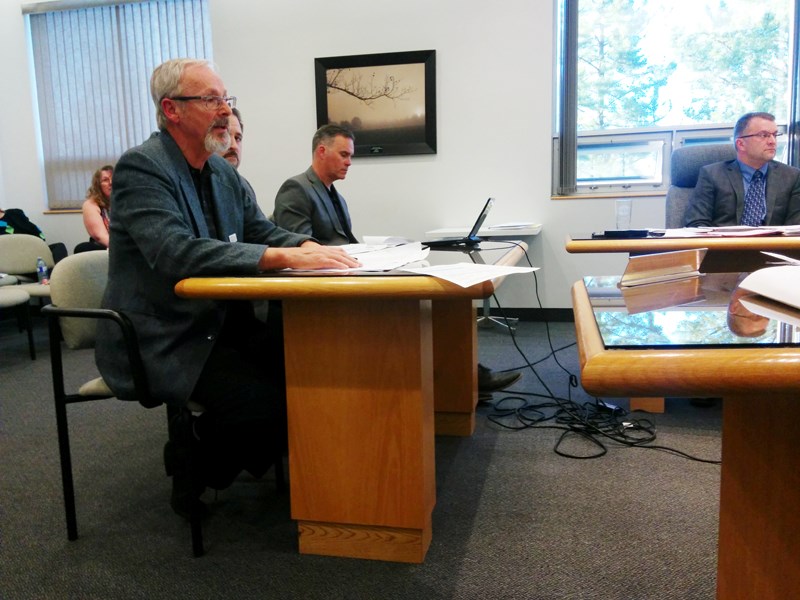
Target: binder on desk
x=655 y=296
x=664 y=266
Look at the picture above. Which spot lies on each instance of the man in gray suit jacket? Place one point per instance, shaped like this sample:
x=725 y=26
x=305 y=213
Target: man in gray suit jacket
x=182 y=211
x=718 y=199
x=308 y=203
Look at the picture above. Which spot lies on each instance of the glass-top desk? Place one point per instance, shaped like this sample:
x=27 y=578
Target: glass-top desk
x=690 y=351
x=700 y=312
x=374 y=366
x=724 y=253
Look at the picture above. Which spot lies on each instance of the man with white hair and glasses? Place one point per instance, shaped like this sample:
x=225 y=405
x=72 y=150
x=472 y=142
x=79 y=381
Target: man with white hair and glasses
x=180 y=210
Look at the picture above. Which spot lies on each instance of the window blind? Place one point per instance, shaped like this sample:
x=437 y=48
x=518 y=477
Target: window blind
x=92 y=75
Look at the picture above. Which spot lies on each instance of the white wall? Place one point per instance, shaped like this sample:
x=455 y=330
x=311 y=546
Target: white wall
x=494 y=64
x=21 y=182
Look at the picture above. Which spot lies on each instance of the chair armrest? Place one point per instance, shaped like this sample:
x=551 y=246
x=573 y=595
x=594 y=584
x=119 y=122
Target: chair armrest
x=129 y=336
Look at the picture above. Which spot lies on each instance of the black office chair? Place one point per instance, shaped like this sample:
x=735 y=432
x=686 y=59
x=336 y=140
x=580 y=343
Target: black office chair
x=59 y=250
x=77 y=284
x=684 y=171
x=87 y=247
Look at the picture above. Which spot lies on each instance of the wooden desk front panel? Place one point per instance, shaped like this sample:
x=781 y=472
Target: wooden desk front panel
x=759 y=520
x=361 y=352
x=455 y=367
x=360 y=400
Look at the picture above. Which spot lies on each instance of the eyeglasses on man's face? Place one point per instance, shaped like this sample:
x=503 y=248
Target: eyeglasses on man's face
x=763 y=135
x=209 y=102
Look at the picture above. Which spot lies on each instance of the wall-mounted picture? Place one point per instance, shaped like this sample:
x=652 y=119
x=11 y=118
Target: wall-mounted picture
x=387 y=100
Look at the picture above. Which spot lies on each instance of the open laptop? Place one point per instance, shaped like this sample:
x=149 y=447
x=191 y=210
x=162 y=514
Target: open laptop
x=471 y=239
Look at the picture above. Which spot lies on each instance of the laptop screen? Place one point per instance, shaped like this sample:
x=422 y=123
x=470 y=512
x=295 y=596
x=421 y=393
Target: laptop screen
x=481 y=218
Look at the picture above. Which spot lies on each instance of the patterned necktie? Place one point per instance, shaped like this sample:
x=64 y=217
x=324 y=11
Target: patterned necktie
x=755 y=205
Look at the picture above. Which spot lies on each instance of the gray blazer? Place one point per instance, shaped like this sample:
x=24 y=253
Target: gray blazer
x=303 y=205
x=159 y=236
x=718 y=197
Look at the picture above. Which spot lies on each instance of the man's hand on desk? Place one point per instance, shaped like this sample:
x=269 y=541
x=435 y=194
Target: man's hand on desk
x=309 y=255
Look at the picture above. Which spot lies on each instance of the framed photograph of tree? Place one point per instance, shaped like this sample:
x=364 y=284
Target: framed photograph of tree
x=387 y=100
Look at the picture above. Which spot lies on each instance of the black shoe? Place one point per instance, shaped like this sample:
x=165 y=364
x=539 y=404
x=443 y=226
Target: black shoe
x=485 y=397
x=489 y=381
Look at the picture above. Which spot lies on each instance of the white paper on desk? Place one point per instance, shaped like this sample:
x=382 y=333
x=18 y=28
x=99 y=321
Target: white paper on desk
x=386 y=240
x=356 y=249
x=732 y=231
x=777 y=283
x=681 y=232
x=789 y=229
x=468 y=274
x=729 y=231
x=379 y=257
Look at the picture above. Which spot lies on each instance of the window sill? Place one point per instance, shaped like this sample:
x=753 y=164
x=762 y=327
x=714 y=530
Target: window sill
x=600 y=195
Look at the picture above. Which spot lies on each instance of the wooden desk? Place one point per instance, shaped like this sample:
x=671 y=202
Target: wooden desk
x=759 y=530
x=725 y=254
x=368 y=360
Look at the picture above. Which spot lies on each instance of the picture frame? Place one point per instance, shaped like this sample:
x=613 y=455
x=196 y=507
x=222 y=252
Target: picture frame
x=388 y=100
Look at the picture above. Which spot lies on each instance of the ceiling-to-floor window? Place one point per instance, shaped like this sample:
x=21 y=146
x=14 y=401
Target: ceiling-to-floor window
x=641 y=77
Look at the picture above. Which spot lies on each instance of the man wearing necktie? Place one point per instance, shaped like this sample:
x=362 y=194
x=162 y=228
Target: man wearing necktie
x=309 y=204
x=753 y=189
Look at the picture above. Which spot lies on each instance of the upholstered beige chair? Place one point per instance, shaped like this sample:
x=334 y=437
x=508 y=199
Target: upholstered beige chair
x=18 y=254
x=18 y=300
x=77 y=285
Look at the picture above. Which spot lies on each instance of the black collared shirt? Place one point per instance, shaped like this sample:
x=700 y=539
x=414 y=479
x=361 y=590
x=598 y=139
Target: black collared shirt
x=202 y=184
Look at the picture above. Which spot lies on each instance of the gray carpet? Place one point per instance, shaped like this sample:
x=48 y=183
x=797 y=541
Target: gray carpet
x=513 y=519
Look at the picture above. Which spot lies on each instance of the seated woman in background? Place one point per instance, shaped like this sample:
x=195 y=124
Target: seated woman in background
x=96 y=207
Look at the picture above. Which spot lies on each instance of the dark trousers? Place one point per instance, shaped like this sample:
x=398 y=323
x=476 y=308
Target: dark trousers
x=243 y=391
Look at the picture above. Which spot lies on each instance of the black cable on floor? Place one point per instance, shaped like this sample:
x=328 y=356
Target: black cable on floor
x=592 y=421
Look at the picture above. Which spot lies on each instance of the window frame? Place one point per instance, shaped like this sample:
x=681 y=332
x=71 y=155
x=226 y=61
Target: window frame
x=567 y=141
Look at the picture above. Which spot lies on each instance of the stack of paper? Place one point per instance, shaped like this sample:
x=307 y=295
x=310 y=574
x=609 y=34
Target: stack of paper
x=385 y=240
x=381 y=257
x=732 y=231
